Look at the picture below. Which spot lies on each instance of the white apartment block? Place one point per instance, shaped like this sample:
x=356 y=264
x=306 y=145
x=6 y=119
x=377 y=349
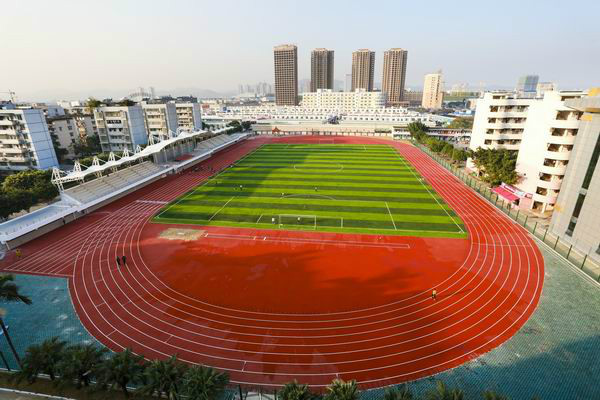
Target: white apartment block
x=160 y=118
x=121 y=127
x=188 y=116
x=541 y=130
x=360 y=99
x=25 y=141
x=63 y=129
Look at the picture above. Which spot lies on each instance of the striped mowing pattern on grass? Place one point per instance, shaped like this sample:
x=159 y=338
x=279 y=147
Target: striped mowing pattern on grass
x=326 y=187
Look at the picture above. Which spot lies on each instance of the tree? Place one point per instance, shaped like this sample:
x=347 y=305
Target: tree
x=41 y=359
x=87 y=147
x=496 y=165
x=401 y=393
x=9 y=293
x=126 y=103
x=441 y=392
x=204 y=383
x=13 y=201
x=460 y=155
x=341 y=390
x=81 y=363
x=38 y=183
x=121 y=370
x=489 y=395
x=164 y=377
x=294 y=391
x=93 y=103
x=448 y=149
x=461 y=123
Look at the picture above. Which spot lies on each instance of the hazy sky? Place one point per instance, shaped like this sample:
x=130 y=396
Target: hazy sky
x=71 y=49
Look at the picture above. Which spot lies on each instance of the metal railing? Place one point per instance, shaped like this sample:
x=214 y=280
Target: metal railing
x=566 y=250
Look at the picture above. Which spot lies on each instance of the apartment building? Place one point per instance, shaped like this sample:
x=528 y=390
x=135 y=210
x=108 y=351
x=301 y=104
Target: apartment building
x=363 y=69
x=286 y=75
x=64 y=133
x=542 y=132
x=25 y=141
x=188 y=116
x=413 y=97
x=160 y=118
x=121 y=127
x=433 y=91
x=394 y=75
x=359 y=99
x=321 y=69
x=576 y=213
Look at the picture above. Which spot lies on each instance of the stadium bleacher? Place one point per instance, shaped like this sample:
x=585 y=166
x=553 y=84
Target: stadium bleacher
x=106 y=185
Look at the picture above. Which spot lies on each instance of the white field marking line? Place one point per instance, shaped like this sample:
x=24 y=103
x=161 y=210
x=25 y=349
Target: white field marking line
x=304 y=194
x=193 y=189
x=389 y=212
x=219 y=210
x=428 y=191
x=257 y=221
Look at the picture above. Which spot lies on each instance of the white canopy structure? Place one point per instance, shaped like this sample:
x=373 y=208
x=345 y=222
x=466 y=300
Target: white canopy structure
x=155 y=145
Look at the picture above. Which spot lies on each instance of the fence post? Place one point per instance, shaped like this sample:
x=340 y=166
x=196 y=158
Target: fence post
x=583 y=262
x=544 y=238
x=241 y=394
x=555 y=243
x=569 y=252
x=534 y=227
x=525 y=222
x=517 y=216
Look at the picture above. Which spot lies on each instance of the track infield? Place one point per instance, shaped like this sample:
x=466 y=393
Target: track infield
x=347 y=188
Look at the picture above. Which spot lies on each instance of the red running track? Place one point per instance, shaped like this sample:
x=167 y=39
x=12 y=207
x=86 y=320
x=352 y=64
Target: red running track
x=270 y=306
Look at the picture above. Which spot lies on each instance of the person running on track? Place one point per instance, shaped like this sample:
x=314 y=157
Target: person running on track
x=124 y=261
x=118 y=262
x=434 y=294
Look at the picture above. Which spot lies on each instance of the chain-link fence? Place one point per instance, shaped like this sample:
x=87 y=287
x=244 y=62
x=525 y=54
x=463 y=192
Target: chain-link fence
x=528 y=221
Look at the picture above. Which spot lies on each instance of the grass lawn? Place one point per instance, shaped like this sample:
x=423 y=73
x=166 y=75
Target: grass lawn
x=322 y=187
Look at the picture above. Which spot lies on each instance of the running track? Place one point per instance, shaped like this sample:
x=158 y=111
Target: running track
x=272 y=306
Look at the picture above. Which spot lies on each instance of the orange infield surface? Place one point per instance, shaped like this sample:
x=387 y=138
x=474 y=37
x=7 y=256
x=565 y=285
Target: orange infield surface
x=270 y=306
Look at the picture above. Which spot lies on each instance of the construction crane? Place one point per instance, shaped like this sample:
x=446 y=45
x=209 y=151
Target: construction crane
x=13 y=96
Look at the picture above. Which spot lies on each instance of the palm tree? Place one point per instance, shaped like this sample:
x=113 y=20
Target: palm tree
x=340 y=390
x=489 y=395
x=9 y=292
x=204 y=383
x=441 y=392
x=122 y=369
x=80 y=363
x=164 y=377
x=398 y=393
x=41 y=359
x=294 y=391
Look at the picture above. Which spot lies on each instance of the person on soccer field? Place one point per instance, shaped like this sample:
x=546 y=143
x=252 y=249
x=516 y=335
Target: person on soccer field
x=124 y=261
x=240 y=187
x=434 y=294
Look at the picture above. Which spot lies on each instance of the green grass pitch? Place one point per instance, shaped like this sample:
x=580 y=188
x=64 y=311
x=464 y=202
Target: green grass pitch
x=319 y=187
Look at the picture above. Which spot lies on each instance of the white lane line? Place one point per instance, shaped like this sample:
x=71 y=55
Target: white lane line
x=392 y=218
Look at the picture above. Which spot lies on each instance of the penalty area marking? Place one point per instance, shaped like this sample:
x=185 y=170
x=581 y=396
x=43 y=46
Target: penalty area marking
x=391 y=217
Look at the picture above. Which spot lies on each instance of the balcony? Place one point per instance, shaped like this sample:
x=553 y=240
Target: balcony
x=557 y=155
x=553 y=184
x=558 y=170
x=566 y=124
x=565 y=139
x=505 y=146
x=549 y=198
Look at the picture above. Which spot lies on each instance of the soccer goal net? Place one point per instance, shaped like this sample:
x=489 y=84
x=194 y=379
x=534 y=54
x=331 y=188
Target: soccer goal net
x=298 y=220
x=309 y=221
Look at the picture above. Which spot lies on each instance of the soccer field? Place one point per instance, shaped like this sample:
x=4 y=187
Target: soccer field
x=319 y=187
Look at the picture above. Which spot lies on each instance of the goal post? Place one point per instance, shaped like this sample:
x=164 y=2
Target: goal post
x=298 y=220
x=309 y=221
